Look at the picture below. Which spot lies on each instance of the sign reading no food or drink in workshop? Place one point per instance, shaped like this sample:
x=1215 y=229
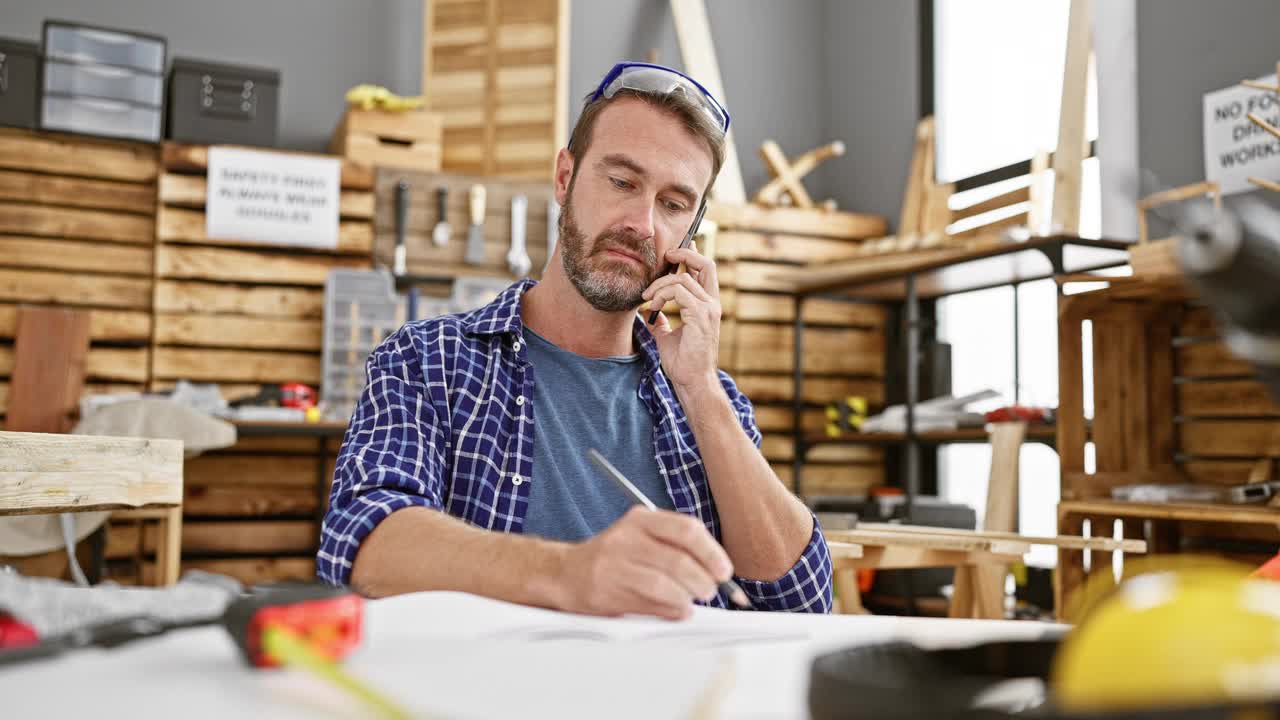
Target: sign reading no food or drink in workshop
x=1235 y=148
x=272 y=198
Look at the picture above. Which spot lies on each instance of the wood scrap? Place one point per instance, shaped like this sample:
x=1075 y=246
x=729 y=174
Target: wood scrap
x=787 y=175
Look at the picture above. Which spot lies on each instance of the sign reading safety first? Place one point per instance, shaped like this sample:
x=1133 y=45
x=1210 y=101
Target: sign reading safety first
x=273 y=198
x=1234 y=147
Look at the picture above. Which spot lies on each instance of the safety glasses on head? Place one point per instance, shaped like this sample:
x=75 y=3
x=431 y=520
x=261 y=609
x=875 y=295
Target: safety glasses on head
x=662 y=80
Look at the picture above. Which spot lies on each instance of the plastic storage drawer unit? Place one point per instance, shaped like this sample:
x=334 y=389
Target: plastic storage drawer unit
x=107 y=82
x=214 y=103
x=19 y=68
x=84 y=44
x=101 y=117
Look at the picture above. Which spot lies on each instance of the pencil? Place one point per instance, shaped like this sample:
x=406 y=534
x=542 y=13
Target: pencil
x=731 y=589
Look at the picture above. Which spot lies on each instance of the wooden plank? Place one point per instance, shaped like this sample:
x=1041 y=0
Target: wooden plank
x=1013 y=197
x=231 y=501
x=1239 y=398
x=108 y=325
x=770 y=348
x=1249 y=514
x=183 y=158
x=231 y=331
x=754 y=276
x=918 y=179
x=749 y=306
x=279 y=536
x=179 y=225
x=1110 y=439
x=262 y=301
x=1063 y=541
x=231 y=470
x=958 y=543
x=48 y=369
x=124 y=364
x=1136 y=387
x=75 y=155
x=1230 y=438
x=44 y=473
x=762 y=388
x=124 y=540
x=1071 y=431
x=1209 y=359
x=1160 y=391
x=772 y=418
x=38 y=189
x=853 y=480
x=698 y=53
x=795 y=221
x=74 y=255
x=234 y=265
x=1198 y=322
x=248 y=366
x=80 y=223
x=249 y=571
x=273 y=444
x=1072 y=143
x=781 y=447
x=1219 y=472
x=190 y=191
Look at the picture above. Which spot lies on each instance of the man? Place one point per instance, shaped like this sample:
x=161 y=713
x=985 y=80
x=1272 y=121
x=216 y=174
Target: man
x=480 y=423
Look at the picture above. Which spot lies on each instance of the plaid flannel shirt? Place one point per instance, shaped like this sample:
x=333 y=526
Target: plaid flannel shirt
x=444 y=423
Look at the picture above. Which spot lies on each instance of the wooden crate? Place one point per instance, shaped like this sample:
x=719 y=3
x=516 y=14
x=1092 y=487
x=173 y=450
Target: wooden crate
x=497 y=71
x=77 y=229
x=424 y=258
x=236 y=313
x=250 y=511
x=1171 y=404
x=408 y=140
x=844 y=341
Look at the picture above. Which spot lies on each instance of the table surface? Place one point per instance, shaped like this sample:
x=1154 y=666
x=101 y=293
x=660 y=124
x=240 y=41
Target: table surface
x=455 y=655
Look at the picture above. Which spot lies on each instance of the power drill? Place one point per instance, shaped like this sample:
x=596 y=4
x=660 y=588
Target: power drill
x=1232 y=257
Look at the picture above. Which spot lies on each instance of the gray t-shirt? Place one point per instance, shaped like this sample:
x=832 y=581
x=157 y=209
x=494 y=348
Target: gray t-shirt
x=581 y=403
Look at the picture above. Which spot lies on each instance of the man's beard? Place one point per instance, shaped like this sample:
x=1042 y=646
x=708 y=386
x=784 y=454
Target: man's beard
x=607 y=283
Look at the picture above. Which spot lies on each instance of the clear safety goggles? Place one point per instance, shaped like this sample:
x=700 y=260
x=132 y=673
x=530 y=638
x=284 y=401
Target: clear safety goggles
x=662 y=80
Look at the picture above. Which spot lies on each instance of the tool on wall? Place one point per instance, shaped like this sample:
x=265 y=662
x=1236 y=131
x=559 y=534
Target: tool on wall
x=553 y=230
x=398 y=266
x=441 y=232
x=475 y=234
x=518 y=261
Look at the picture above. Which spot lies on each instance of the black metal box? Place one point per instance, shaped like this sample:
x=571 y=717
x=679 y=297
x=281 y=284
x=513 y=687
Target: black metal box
x=213 y=103
x=19 y=80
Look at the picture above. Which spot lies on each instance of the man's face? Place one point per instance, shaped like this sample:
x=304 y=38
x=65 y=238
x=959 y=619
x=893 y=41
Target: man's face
x=634 y=196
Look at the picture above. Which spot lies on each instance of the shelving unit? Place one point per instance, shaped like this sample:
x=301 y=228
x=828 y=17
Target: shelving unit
x=910 y=278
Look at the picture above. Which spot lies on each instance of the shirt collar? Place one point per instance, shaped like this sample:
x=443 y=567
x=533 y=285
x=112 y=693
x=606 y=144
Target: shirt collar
x=502 y=316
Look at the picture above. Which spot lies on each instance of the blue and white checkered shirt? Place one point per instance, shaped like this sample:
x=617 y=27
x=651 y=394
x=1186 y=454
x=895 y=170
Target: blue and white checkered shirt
x=444 y=423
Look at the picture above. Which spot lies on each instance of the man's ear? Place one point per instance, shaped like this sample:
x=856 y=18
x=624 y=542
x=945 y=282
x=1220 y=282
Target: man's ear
x=564 y=174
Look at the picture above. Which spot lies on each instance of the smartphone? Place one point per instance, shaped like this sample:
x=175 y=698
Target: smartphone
x=668 y=268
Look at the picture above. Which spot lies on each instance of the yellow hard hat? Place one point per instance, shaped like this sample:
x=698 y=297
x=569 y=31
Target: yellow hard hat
x=1200 y=634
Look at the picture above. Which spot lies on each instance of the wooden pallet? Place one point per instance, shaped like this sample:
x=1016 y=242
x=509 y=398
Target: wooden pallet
x=240 y=313
x=77 y=229
x=497 y=72
x=409 y=140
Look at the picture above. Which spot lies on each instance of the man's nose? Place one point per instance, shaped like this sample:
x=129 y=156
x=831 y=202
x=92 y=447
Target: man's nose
x=639 y=216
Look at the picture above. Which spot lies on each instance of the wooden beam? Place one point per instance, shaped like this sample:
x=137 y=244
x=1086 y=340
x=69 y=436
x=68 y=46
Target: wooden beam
x=1072 y=143
x=760 y=307
x=247 y=366
x=74 y=255
x=39 y=189
x=764 y=347
x=48 y=369
x=1063 y=541
x=231 y=501
x=60 y=473
x=817 y=391
x=743 y=245
x=837 y=224
x=190 y=191
x=108 y=325
x=177 y=296
x=776 y=161
x=248 y=537
x=233 y=265
x=698 y=52
x=58 y=154
x=24 y=219
x=232 y=331
x=178 y=225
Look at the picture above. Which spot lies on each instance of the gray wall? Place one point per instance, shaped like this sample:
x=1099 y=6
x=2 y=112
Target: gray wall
x=802 y=72
x=1187 y=48
x=873 y=57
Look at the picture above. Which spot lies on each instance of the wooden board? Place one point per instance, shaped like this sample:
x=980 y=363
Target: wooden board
x=108 y=325
x=43 y=473
x=233 y=331
x=77 y=156
x=1173 y=511
x=1209 y=359
x=74 y=256
x=1239 y=398
x=262 y=537
x=194 y=159
x=43 y=286
x=827 y=351
x=1072 y=142
x=247 y=366
x=248 y=266
x=761 y=307
x=1230 y=438
x=389 y=139
x=48 y=369
x=257 y=301
x=778 y=447
x=232 y=501
x=40 y=189
x=249 y=571
x=796 y=221
x=48 y=221
x=190 y=191
x=850 y=480
x=773 y=418
x=178 y=225
x=240 y=470
x=1064 y=541
x=1198 y=323
x=798 y=249
x=760 y=388
x=101 y=363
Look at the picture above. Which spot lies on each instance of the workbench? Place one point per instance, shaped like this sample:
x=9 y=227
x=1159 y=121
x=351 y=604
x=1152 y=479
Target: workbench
x=454 y=655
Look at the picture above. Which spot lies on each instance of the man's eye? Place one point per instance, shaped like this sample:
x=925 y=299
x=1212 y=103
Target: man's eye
x=673 y=206
x=620 y=183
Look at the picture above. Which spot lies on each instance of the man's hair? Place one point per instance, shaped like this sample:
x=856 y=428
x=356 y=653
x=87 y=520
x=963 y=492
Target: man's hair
x=676 y=104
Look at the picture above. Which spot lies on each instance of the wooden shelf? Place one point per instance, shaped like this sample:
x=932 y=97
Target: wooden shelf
x=1208 y=512
x=1036 y=433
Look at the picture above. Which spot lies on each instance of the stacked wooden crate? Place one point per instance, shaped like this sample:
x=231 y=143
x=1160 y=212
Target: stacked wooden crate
x=77 y=229
x=497 y=71
x=843 y=340
x=243 y=315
